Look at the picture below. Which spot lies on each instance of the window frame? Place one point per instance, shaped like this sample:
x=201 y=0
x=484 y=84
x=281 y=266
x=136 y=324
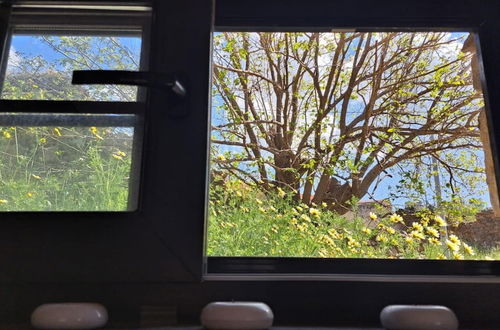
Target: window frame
x=148 y=258
x=381 y=16
x=24 y=19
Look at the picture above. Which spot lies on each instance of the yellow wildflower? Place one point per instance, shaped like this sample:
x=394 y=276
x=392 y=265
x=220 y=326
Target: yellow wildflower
x=117 y=157
x=302 y=227
x=7 y=135
x=299 y=209
x=441 y=256
x=305 y=206
x=263 y=210
x=281 y=193
x=434 y=241
x=408 y=239
x=468 y=249
x=36 y=177
x=323 y=253
x=274 y=229
x=3 y=201
x=440 y=221
x=121 y=153
x=324 y=205
x=366 y=230
x=239 y=194
x=373 y=216
x=305 y=218
x=42 y=140
x=396 y=218
x=390 y=230
x=314 y=212
x=352 y=242
x=333 y=233
x=326 y=239
x=417 y=226
x=294 y=212
x=57 y=131
x=221 y=158
x=417 y=234
x=432 y=231
x=458 y=256
x=381 y=238
x=452 y=246
x=258 y=201
x=454 y=239
x=293 y=221
x=29 y=194
x=95 y=132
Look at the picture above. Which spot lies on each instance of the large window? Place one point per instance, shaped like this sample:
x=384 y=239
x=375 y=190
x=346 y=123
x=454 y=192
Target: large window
x=350 y=145
x=340 y=144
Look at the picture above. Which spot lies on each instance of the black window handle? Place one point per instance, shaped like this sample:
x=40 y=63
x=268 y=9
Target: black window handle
x=176 y=91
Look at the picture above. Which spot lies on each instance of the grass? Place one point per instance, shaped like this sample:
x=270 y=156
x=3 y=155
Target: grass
x=245 y=222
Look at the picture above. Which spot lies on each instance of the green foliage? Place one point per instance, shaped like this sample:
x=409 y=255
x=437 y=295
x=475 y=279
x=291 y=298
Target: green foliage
x=64 y=169
x=243 y=221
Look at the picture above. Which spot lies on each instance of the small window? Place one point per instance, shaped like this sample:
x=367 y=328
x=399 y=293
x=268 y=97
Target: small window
x=70 y=147
x=350 y=145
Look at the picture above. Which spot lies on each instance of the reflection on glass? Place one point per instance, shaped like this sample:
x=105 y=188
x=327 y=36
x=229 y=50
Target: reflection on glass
x=48 y=166
x=350 y=145
x=40 y=66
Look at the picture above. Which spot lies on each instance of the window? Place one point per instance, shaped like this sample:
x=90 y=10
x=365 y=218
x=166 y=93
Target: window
x=155 y=255
x=85 y=156
x=350 y=145
x=273 y=193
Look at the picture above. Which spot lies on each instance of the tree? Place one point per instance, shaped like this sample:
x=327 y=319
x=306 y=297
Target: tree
x=328 y=115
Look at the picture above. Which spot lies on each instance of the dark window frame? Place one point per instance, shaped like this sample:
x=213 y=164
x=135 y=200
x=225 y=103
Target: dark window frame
x=365 y=15
x=28 y=20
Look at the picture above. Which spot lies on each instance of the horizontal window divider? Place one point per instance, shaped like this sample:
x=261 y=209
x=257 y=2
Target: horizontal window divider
x=73 y=120
x=69 y=216
x=351 y=278
x=94 y=30
x=348 y=266
x=66 y=107
x=100 y=22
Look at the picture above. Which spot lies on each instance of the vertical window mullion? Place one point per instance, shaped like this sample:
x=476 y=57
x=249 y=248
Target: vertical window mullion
x=5 y=11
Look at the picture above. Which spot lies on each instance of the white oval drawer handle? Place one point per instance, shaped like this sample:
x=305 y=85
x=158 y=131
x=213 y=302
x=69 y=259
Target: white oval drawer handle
x=418 y=317
x=237 y=315
x=69 y=316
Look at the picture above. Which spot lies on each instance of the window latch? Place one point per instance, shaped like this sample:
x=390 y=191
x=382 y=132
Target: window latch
x=169 y=83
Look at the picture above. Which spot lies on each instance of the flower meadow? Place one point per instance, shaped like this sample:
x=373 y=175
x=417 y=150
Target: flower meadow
x=243 y=221
x=64 y=168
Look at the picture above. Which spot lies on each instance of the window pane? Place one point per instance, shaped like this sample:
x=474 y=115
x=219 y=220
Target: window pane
x=350 y=145
x=40 y=66
x=67 y=162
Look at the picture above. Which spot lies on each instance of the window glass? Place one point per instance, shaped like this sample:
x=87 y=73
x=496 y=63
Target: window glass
x=350 y=145
x=40 y=66
x=65 y=162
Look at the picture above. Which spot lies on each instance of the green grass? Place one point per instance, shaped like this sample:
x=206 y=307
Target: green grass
x=245 y=222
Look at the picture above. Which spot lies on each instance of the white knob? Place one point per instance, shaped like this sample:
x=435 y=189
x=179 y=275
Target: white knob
x=418 y=317
x=69 y=316
x=237 y=315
